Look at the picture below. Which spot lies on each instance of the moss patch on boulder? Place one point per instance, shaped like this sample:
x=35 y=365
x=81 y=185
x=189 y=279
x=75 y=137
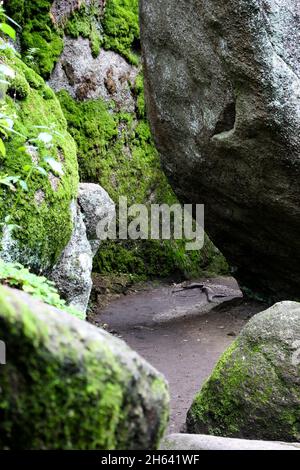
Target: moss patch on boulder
x=42 y=36
x=41 y=39
x=43 y=211
x=254 y=392
x=69 y=385
x=121 y=28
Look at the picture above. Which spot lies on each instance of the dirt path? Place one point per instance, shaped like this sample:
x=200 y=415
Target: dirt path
x=180 y=333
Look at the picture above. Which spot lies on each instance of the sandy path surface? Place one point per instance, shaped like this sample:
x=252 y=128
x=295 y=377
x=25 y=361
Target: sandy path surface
x=180 y=333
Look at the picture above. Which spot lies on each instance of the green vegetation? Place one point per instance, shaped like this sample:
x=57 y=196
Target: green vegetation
x=42 y=39
x=18 y=277
x=247 y=396
x=85 y=22
x=39 y=34
x=39 y=171
x=121 y=28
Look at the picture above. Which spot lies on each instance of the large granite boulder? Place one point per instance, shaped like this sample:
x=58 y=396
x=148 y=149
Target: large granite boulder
x=223 y=87
x=254 y=391
x=69 y=385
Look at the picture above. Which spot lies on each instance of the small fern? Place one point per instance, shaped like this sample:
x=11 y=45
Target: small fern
x=17 y=276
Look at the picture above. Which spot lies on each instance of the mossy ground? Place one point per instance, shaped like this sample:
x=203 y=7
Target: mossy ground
x=45 y=227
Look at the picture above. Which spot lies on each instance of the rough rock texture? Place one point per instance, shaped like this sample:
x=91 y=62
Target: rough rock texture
x=95 y=204
x=107 y=76
x=202 y=442
x=43 y=212
x=254 y=391
x=91 y=57
x=223 y=88
x=69 y=385
x=72 y=273
x=62 y=9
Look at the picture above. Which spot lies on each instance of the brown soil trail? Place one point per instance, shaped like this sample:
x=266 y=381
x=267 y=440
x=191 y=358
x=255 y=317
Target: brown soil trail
x=180 y=333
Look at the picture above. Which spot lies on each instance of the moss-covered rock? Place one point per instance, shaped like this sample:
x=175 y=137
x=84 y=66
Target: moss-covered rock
x=44 y=24
x=254 y=391
x=69 y=385
x=41 y=39
x=102 y=96
x=121 y=32
x=42 y=212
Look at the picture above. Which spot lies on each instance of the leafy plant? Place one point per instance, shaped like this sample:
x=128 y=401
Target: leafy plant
x=17 y=276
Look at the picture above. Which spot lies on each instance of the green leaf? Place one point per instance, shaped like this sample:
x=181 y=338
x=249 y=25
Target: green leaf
x=27 y=168
x=55 y=165
x=41 y=170
x=23 y=185
x=45 y=137
x=6 y=29
x=2 y=148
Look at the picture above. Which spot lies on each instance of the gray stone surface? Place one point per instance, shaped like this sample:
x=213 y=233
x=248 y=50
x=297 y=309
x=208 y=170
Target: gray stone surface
x=72 y=273
x=254 y=391
x=70 y=385
x=202 y=442
x=222 y=82
x=107 y=76
x=95 y=205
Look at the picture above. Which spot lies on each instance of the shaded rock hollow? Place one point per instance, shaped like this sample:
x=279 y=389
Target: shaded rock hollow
x=223 y=87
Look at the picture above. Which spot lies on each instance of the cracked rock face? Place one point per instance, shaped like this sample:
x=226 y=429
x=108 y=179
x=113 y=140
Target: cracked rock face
x=223 y=93
x=108 y=76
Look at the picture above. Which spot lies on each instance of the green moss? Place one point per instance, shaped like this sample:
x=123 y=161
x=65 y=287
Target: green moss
x=85 y=22
x=38 y=33
x=121 y=28
x=51 y=398
x=15 y=275
x=19 y=87
x=34 y=80
x=62 y=391
x=45 y=227
x=247 y=397
x=116 y=150
x=116 y=29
